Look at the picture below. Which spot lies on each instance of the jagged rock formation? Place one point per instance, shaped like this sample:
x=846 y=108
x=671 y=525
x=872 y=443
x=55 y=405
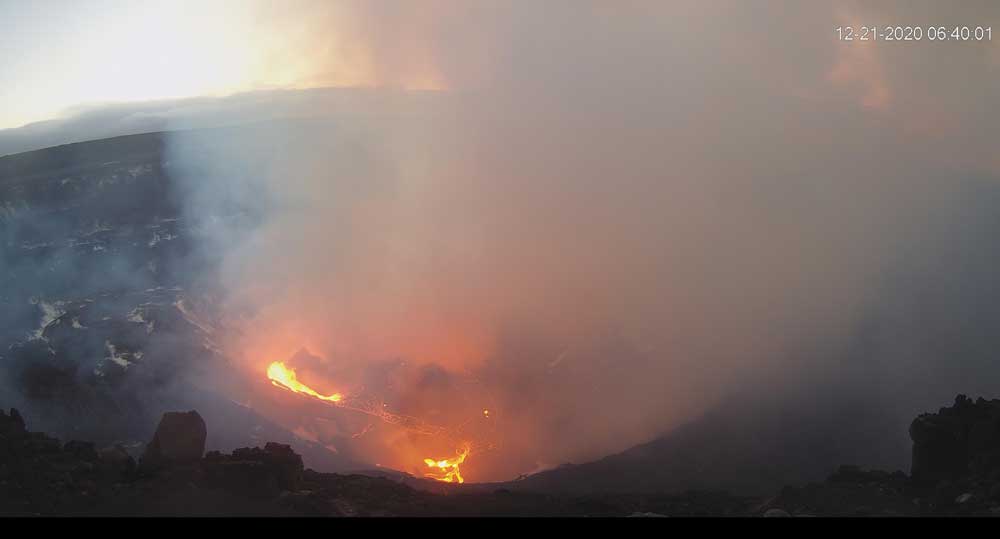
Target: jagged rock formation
x=38 y=475
x=850 y=491
x=180 y=437
x=956 y=474
x=960 y=441
x=955 y=471
x=262 y=472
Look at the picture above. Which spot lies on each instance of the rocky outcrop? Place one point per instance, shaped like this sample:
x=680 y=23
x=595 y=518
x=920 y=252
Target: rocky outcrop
x=39 y=475
x=850 y=491
x=179 y=438
x=254 y=471
x=957 y=442
x=955 y=473
x=11 y=424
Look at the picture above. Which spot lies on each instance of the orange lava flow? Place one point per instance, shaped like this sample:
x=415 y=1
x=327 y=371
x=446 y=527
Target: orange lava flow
x=446 y=470
x=284 y=377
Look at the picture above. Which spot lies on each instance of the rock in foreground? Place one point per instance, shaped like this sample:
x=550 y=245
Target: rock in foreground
x=957 y=442
x=179 y=438
x=955 y=472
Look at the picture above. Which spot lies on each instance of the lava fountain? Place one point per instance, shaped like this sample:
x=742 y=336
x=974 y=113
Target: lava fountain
x=284 y=377
x=447 y=469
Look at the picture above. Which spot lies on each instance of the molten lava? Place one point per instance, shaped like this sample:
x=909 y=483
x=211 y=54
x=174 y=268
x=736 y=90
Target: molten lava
x=447 y=470
x=284 y=377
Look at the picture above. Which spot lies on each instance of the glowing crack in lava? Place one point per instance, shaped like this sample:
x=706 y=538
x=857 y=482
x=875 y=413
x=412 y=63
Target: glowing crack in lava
x=284 y=377
x=447 y=470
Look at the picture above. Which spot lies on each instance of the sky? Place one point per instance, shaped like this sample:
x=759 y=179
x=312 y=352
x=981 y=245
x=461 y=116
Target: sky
x=59 y=55
x=63 y=54
x=715 y=195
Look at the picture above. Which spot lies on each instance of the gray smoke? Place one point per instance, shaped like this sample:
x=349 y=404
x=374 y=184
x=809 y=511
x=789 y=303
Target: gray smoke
x=615 y=216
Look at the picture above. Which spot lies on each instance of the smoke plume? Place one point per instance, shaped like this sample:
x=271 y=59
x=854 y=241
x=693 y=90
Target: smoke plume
x=608 y=218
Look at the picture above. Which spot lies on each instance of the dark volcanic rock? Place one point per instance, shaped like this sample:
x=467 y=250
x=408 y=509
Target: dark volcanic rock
x=955 y=471
x=179 y=438
x=12 y=423
x=955 y=442
x=116 y=459
x=40 y=476
x=82 y=450
x=254 y=471
x=850 y=491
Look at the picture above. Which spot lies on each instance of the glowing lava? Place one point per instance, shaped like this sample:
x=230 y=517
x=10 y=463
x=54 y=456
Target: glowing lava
x=447 y=470
x=284 y=377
